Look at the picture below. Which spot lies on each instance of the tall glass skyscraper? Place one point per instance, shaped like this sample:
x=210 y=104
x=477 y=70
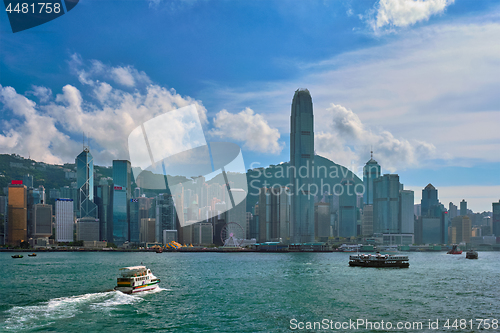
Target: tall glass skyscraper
x=121 y=201
x=386 y=204
x=301 y=157
x=371 y=171
x=429 y=200
x=85 y=183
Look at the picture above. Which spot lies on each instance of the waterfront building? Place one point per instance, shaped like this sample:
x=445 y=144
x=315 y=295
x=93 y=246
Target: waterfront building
x=87 y=229
x=42 y=221
x=274 y=214
x=85 y=184
x=367 y=221
x=406 y=213
x=104 y=200
x=461 y=229
x=495 y=220
x=121 y=200
x=64 y=220
x=35 y=196
x=301 y=157
x=386 y=204
x=371 y=171
x=463 y=207
x=202 y=234
x=165 y=213
x=169 y=236
x=347 y=221
x=322 y=221
x=147 y=232
x=429 y=230
x=17 y=229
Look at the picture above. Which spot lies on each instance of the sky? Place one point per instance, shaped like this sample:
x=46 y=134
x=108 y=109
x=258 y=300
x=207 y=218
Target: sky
x=417 y=82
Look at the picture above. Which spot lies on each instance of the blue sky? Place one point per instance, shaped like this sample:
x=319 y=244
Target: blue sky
x=418 y=81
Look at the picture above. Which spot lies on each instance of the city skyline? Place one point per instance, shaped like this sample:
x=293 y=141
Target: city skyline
x=376 y=83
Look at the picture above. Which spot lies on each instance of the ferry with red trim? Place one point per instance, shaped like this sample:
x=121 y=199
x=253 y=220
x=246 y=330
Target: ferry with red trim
x=454 y=250
x=135 y=279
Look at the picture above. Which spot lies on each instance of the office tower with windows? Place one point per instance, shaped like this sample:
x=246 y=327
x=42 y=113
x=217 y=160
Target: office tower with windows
x=301 y=157
x=85 y=184
x=495 y=220
x=42 y=221
x=121 y=201
x=463 y=207
x=64 y=220
x=371 y=171
x=165 y=214
x=386 y=204
x=17 y=229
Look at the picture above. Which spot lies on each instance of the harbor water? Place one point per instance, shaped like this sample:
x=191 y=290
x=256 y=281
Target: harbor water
x=245 y=292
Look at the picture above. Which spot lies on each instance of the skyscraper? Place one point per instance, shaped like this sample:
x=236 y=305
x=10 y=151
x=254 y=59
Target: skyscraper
x=85 y=183
x=371 y=171
x=165 y=214
x=495 y=221
x=17 y=229
x=42 y=220
x=347 y=225
x=386 y=204
x=429 y=199
x=64 y=220
x=121 y=201
x=301 y=156
x=463 y=207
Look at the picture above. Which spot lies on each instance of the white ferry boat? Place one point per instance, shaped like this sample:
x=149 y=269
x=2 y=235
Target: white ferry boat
x=135 y=279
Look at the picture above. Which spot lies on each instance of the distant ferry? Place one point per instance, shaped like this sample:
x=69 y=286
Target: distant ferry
x=379 y=260
x=135 y=279
x=471 y=254
x=454 y=250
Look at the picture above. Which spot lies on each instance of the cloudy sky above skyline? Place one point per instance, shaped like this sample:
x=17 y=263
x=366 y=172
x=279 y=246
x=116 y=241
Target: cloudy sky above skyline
x=416 y=80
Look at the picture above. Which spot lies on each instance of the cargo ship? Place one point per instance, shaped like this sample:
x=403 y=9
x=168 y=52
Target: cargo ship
x=379 y=260
x=135 y=279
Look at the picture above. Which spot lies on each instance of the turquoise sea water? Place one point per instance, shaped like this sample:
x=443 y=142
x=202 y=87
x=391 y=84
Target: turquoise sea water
x=244 y=292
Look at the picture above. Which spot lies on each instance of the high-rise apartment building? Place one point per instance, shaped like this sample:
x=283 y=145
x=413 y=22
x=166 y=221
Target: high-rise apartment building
x=301 y=156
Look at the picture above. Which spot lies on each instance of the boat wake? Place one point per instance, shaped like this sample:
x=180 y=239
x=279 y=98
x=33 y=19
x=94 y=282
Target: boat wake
x=46 y=313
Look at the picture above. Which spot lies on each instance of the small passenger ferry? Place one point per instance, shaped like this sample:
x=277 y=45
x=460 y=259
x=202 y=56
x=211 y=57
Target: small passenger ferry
x=135 y=279
x=379 y=260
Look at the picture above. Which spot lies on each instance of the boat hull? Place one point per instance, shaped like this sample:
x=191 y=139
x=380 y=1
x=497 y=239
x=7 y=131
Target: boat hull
x=380 y=264
x=134 y=290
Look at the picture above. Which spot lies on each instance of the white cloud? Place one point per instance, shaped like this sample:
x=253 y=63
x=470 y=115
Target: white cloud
x=36 y=135
x=45 y=131
x=402 y=13
x=250 y=128
x=347 y=130
x=89 y=73
x=43 y=93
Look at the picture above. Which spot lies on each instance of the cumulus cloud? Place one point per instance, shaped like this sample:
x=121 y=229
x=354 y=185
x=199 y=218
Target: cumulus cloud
x=402 y=13
x=91 y=72
x=43 y=93
x=51 y=130
x=250 y=128
x=348 y=138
